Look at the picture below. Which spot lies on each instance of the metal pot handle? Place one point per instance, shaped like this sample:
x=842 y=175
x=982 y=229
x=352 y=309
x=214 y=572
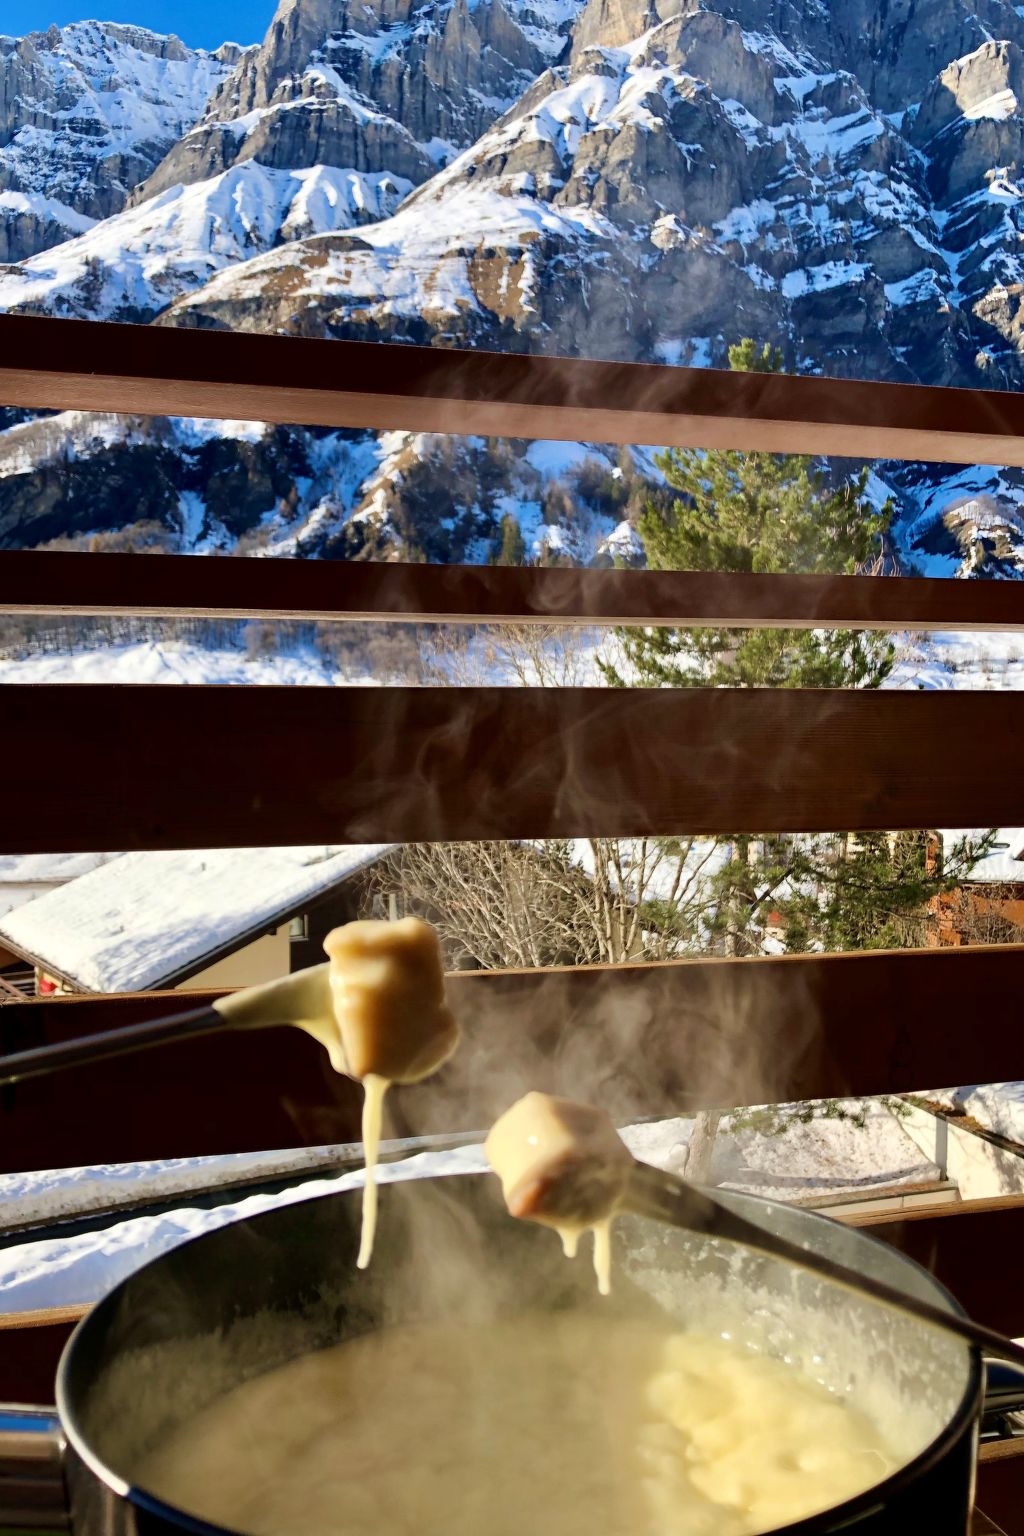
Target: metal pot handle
x=1002 y=1414
x=33 y=1495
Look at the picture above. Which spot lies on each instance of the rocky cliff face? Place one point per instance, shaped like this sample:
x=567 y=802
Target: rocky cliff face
x=86 y=112
x=701 y=180
x=394 y=85
x=644 y=179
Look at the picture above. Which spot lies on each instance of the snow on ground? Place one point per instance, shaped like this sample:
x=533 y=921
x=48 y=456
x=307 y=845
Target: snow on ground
x=161 y=661
x=805 y=1161
x=960 y=660
x=942 y=660
x=997 y=1107
x=147 y=918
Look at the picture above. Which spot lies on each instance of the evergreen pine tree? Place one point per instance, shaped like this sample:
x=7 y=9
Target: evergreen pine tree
x=761 y=512
x=513 y=545
x=757 y=512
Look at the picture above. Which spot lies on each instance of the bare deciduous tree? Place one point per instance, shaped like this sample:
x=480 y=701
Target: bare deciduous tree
x=604 y=900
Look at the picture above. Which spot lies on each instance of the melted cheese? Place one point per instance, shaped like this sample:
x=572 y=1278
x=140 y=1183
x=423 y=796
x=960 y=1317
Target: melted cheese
x=602 y=1231
x=378 y=1008
x=562 y=1164
x=393 y=1024
x=374 y=1089
x=387 y=986
x=569 y=1424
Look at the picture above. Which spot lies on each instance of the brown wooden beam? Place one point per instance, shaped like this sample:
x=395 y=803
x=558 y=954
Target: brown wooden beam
x=1001 y=1493
x=221 y=587
x=278 y=1090
x=31 y=1344
x=875 y=1218
x=206 y=767
x=978 y=1254
x=641 y=1039
x=152 y=370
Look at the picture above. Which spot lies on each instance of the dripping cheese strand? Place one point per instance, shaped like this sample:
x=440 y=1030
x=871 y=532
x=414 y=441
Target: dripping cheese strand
x=392 y=1023
x=374 y=1089
x=602 y=1231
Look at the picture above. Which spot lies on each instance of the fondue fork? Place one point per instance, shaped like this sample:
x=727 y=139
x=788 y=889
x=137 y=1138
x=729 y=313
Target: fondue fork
x=302 y=999
x=664 y=1197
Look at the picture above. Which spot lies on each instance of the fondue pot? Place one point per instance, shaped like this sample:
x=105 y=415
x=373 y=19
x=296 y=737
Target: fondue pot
x=250 y=1296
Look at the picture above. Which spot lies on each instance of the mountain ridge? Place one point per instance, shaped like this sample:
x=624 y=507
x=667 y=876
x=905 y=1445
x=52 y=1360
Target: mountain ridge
x=647 y=180
x=86 y=112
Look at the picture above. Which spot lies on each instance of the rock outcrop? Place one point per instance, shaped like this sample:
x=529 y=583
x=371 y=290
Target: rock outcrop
x=388 y=85
x=86 y=113
x=638 y=179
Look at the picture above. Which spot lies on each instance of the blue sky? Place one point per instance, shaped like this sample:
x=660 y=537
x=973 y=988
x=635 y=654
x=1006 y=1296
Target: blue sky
x=203 y=23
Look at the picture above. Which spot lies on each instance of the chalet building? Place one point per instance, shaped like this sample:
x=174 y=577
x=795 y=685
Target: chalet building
x=988 y=908
x=25 y=877
x=191 y=920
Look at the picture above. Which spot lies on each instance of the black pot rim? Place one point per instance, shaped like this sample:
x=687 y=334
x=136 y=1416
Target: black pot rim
x=825 y=1521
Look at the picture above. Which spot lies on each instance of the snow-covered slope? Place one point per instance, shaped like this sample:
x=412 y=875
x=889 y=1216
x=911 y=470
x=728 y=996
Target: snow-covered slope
x=131 y=266
x=86 y=112
x=171 y=663
x=198 y=486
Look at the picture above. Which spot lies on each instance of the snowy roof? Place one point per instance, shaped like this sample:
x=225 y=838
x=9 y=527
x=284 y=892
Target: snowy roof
x=152 y=919
x=1005 y=863
x=24 y=876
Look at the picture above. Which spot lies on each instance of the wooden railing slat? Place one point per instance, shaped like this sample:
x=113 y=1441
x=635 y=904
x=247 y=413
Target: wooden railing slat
x=154 y=586
x=175 y=767
x=641 y=1039
x=91 y=365
x=976 y=1253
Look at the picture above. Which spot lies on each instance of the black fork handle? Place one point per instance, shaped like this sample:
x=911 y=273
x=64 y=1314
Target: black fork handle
x=112 y=1042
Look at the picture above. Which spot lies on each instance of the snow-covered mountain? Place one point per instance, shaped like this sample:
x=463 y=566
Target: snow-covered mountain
x=698 y=180
x=409 y=81
x=132 y=266
x=85 y=480
x=643 y=179
x=86 y=113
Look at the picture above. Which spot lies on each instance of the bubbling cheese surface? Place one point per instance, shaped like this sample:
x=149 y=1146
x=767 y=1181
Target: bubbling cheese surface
x=569 y=1424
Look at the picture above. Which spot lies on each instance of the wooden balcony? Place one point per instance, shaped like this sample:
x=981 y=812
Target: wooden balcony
x=140 y=768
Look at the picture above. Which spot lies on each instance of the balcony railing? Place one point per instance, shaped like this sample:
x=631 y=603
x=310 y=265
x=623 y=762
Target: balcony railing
x=196 y=767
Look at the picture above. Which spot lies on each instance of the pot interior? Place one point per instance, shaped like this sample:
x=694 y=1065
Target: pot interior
x=240 y=1301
